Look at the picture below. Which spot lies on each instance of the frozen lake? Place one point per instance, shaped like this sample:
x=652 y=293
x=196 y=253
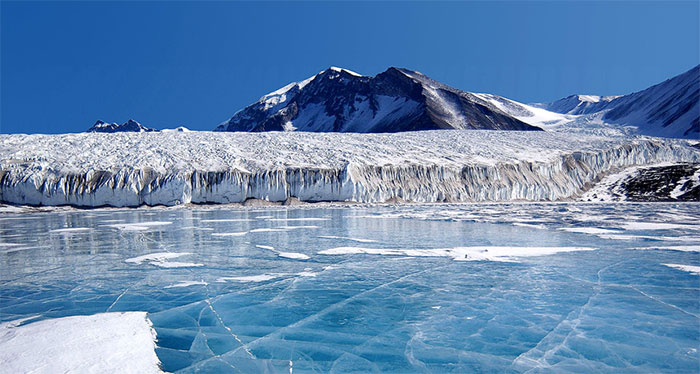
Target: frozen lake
x=403 y=289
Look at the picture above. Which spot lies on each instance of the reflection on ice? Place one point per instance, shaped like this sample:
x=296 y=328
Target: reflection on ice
x=373 y=289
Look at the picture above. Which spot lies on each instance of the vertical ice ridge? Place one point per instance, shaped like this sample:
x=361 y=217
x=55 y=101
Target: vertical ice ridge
x=565 y=177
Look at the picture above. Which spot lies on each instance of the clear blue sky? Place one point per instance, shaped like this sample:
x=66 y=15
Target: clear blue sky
x=166 y=64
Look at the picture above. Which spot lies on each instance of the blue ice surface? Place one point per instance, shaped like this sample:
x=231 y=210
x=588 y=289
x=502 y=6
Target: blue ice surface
x=616 y=309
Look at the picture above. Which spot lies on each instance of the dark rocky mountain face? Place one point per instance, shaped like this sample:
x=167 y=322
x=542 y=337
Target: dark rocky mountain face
x=680 y=182
x=338 y=100
x=664 y=183
x=669 y=109
x=128 y=126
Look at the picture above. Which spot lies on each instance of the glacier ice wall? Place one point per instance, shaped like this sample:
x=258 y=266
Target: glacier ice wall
x=203 y=167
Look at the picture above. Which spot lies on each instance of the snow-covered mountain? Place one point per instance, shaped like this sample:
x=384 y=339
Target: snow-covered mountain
x=578 y=104
x=668 y=109
x=339 y=100
x=128 y=126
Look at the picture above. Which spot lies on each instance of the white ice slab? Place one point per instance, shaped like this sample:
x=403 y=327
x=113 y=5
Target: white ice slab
x=683 y=248
x=589 y=230
x=99 y=343
x=187 y=284
x=689 y=268
x=162 y=259
x=293 y=255
x=141 y=226
x=477 y=253
x=359 y=240
x=251 y=278
x=230 y=233
x=658 y=226
x=69 y=230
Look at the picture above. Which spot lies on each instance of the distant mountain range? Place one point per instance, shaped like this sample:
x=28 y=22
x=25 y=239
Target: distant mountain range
x=668 y=109
x=128 y=126
x=339 y=100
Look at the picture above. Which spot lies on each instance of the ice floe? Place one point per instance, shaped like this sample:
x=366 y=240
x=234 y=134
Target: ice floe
x=689 y=268
x=638 y=226
x=241 y=233
x=346 y=238
x=162 y=259
x=187 y=284
x=70 y=230
x=293 y=255
x=99 y=343
x=141 y=226
x=475 y=253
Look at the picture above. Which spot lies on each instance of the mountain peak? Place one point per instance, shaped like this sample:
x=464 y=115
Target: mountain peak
x=128 y=126
x=669 y=109
x=342 y=70
x=340 y=100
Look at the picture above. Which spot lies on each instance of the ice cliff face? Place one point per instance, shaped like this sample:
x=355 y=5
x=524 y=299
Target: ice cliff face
x=128 y=169
x=339 y=100
x=128 y=126
x=668 y=109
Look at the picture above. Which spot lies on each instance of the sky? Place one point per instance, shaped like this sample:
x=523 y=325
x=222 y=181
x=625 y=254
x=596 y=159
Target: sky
x=64 y=65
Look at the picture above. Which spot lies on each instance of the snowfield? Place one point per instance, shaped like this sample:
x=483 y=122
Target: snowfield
x=132 y=169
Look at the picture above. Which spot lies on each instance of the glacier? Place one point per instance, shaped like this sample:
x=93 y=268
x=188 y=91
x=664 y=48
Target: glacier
x=174 y=168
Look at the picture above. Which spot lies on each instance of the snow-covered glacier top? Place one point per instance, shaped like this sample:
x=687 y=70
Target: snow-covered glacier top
x=213 y=151
x=130 y=169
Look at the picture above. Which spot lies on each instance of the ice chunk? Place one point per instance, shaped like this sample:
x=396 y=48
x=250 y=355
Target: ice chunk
x=487 y=253
x=293 y=255
x=230 y=233
x=70 y=230
x=689 y=268
x=187 y=284
x=99 y=343
x=161 y=259
x=141 y=226
x=589 y=230
x=251 y=278
x=346 y=238
x=658 y=226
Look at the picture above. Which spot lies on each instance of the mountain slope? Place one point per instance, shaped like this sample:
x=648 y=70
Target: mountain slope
x=338 y=100
x=128 y=126
x=668 y=109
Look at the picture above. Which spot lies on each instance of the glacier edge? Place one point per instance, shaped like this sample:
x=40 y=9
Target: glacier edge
x=564 y=175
